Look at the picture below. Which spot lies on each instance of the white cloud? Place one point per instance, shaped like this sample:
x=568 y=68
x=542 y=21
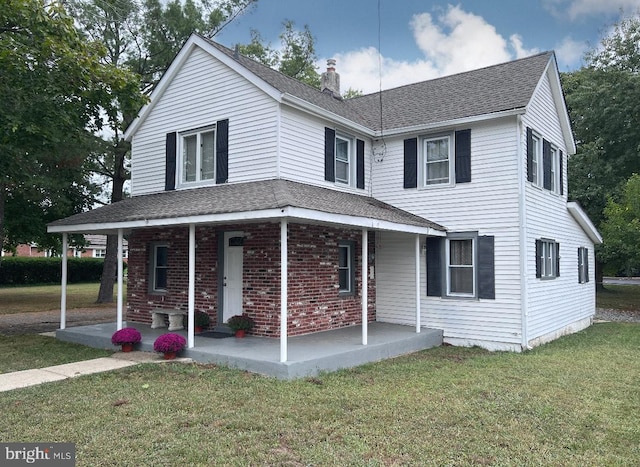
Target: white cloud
x=574 y=9
x=452 y=42
x=570 y=53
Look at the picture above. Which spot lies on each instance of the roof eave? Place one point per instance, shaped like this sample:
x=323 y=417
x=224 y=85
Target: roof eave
x=583 y=220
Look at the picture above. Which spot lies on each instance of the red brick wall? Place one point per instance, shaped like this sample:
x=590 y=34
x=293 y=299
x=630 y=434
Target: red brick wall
x=314 y=302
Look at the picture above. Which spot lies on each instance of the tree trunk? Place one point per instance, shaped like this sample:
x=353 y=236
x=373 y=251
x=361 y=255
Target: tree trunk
x=3 y=197
x=110 y=268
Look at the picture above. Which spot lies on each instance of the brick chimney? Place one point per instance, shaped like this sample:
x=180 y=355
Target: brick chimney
x=330 y=80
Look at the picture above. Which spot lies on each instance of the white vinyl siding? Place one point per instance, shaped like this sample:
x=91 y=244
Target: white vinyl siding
x=203 y=92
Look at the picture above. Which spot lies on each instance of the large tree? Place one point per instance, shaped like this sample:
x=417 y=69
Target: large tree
x=603 y=99
x=54 y=89
x=143 y=37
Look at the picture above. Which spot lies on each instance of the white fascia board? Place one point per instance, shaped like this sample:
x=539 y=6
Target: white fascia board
x=294 y=214
x=561 y=105
x=305 y=106
x=583 y=220
x=450 y=123
x=193 y=42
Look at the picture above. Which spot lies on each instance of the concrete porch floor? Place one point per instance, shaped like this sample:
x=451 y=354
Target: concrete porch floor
x=308 y=355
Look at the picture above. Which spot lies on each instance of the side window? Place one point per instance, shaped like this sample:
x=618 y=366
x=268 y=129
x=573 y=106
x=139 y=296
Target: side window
x=437 y=160
x=346 y=268
x=344 y=158
x=461 y=267
x=158 y=268
x=547 y=259
x=583 y=265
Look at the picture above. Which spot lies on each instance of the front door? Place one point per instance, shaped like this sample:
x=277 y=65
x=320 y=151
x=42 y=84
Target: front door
x=232 y=280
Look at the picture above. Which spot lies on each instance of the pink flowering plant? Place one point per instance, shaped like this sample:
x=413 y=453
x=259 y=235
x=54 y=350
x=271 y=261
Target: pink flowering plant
x=126 y=336
x=169 y=343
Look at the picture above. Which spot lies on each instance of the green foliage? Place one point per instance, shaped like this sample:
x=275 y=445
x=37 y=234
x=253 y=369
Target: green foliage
x=296 y=57
x=603 y=102
x=18 y=270
x=622 y=229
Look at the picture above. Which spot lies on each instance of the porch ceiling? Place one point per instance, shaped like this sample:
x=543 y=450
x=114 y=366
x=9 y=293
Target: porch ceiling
x=248 y=202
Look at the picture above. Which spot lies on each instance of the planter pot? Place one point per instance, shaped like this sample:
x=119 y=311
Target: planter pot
x=240 y=333
x=127 y=347
x=199 y=329
x=169 y=355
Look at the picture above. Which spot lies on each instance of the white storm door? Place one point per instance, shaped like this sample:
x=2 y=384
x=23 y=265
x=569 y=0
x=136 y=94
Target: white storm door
x=232 y=279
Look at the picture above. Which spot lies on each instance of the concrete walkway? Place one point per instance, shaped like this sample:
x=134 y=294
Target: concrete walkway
x=25 y=378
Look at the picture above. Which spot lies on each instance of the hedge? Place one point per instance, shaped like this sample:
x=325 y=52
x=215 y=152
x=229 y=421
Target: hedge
x=18 y=270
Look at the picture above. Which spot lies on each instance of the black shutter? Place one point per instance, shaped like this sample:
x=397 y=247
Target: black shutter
x=463 y=156
x=561 y=174
x=546 y=164
x=538 y=259
x=529 y=154
x=557 y=246
x=359 y=163
x=222 y=151
x=486 y=267
x=435 y=268
x=329 y=155
x=411 y=163
x=170 y=164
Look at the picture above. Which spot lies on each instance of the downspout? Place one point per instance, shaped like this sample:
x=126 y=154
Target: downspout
x=522 y=219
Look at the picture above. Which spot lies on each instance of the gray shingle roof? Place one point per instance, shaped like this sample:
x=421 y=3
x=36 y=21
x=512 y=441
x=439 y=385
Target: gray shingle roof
x=244 y=197
x=492 y=89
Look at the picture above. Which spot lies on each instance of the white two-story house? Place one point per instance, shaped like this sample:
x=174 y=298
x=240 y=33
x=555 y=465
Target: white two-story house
x=440 y=204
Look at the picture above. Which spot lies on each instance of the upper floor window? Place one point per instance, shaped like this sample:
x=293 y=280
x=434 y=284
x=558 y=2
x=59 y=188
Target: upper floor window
x=437 y=160
x=544 y=163
x=198 y=155
x=344 y=157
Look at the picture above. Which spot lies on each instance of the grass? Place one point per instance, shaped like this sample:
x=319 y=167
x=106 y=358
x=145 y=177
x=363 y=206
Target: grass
x=619 y=297
x=47 y=297
x=574 y=401
x=26 y=351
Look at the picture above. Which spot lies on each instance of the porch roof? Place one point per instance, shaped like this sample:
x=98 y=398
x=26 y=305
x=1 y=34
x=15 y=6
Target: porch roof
x=247 y=202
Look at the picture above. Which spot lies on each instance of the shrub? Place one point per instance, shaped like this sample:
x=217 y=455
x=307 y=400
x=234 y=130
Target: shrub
x=17 y=270
x=241 y=322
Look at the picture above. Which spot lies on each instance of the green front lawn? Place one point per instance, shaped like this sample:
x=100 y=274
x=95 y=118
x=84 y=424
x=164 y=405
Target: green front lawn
x=619 y=297
x=572 y=402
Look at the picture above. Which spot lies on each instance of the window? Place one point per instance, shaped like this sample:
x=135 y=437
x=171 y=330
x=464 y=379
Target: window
x=536 y=160
x=547 y=259
x=198 y=152
x=343 y=160
x=553 y=169
x=346 y=268
x=99 y=253
x=159 y=268
x=460 y=267
x=583 y=265
x=437 y=160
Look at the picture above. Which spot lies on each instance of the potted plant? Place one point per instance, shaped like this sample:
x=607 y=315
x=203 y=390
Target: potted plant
x=127 y=338
x=239 y=324
x=169 y=345
x=201 y=320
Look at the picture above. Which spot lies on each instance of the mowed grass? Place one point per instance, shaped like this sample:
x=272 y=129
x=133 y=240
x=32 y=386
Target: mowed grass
x=574 y=401
x=619 y=297
x=47 y=297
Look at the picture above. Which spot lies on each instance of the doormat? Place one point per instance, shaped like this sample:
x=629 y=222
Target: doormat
x=215 y=334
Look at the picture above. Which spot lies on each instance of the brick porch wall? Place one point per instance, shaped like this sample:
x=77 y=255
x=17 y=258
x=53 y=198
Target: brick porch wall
x=314 y=302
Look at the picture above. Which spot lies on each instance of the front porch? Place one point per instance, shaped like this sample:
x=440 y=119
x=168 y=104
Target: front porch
x=309 y=354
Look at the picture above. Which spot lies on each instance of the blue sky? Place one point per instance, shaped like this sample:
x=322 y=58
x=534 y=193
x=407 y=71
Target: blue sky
x=422 y=39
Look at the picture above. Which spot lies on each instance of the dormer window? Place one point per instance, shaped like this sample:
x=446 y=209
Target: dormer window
x=198 y=155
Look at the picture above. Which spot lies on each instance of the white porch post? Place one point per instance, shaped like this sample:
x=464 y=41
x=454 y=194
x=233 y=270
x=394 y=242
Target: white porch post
x=417 y=245
x=120 y=274
x=192 y=286
x=365 y=285
x=63 y=292
x=283 y=290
